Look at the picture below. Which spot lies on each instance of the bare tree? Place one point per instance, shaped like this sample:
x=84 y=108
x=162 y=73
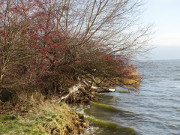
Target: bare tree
x=13 y=49
x=59 y=31
x=111 y=23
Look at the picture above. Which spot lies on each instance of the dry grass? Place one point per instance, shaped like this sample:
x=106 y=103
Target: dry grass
x=42 y=117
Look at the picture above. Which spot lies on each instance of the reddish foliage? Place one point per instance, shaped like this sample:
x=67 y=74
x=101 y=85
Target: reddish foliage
x=108 y=57
x=52 y=56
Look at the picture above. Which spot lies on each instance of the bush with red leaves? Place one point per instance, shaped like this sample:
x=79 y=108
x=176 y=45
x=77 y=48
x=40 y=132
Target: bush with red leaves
x=37 y=51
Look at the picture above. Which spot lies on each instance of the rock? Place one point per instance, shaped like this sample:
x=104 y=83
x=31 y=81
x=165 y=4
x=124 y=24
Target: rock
x=86 y=124
x=81 y=116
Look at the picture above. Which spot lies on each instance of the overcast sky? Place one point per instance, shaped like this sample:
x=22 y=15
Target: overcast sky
x=165 y=16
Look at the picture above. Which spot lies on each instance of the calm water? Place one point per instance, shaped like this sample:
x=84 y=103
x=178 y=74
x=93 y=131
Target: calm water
x=155 y=110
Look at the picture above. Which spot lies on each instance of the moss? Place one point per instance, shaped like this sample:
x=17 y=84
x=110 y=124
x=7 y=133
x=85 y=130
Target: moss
x=112 y=126
x=123 y=91
x=104 y=106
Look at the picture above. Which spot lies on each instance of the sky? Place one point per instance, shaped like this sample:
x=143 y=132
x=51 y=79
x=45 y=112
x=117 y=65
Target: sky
x=165 y=17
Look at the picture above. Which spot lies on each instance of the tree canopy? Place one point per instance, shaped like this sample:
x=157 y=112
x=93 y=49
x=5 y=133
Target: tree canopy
x=47 y=43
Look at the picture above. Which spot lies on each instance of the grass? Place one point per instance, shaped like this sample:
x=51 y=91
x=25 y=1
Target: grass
x=20 y=124
x=47 y=118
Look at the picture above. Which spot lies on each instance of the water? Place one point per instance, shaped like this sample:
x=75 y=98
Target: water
x=155 y=110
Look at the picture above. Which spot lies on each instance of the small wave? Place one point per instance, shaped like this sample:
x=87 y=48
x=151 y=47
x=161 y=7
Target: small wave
x=104 y=106
x=112 y=126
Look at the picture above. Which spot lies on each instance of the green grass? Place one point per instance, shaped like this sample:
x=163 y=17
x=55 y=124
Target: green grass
x=48 y=118
x=20 y=124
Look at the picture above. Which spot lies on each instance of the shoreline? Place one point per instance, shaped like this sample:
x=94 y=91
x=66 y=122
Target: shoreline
x=49 y=111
